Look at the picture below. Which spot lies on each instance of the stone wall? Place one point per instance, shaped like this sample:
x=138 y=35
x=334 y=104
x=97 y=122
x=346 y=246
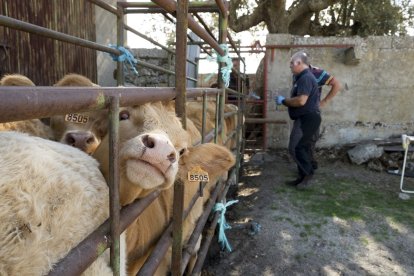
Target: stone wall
x=148 y=77
x=377 y=98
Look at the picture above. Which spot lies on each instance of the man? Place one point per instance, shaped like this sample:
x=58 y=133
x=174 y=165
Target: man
x=234 y=80
x=303 y=108
x=323 y=78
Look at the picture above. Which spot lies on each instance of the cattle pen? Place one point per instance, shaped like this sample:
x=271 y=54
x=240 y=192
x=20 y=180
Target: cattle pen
x=21 y=103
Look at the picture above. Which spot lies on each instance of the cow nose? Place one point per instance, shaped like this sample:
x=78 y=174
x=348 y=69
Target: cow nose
x=80 y=140
x=159 y=149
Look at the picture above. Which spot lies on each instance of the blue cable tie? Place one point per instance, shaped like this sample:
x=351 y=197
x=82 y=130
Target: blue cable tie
x=223 y=225
x=226 y=70
x=126 y=56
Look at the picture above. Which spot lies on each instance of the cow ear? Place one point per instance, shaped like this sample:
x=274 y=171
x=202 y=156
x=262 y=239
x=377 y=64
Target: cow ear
x=212 y=158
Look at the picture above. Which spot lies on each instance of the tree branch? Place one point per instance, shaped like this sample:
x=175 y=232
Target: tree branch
x=304 y=8
x=245 y=22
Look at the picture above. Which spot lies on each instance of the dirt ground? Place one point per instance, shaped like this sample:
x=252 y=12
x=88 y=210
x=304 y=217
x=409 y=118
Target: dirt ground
x=351 y=221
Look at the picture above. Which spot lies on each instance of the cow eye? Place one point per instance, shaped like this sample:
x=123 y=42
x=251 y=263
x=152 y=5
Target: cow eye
x=123 y=115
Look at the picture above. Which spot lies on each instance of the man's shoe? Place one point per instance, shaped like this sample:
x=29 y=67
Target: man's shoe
x=295 y=182
x=305 y=183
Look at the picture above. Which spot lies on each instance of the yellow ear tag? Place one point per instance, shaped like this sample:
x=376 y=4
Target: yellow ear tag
x=198 y=174
x=76 y=118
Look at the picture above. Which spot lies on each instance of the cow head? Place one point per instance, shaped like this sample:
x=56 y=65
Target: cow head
x=81 y=130
x=151 y=141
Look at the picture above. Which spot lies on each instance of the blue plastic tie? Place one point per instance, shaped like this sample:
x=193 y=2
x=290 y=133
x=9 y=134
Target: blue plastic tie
x=226 y=70
x=223 y=225
x=126 y=56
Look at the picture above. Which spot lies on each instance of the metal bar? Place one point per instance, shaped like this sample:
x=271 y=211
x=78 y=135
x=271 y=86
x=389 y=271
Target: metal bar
x=203 y=122
x=114 y=179
x=180 y=65
x=105 y=6
x=203 y=23
x=216 y=121
x=34 y=29
x=178 y=209
x=132 y=4
x=161 y=69
x=120 y=42
x=264 y=121
x=288 y=46
x=222 y=7
x=161 y=10
x=168 y=17
x=230 y=136
x=182 y=17
x=170 y=6
x=132 y=30
x=231 y=113
x=265 y=84
x=21 y=103
x=97 y=242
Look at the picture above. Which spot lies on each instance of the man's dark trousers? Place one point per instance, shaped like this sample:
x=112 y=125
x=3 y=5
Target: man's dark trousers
x=309 y=124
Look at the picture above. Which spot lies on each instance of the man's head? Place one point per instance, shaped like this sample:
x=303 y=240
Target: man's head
x=299 y=62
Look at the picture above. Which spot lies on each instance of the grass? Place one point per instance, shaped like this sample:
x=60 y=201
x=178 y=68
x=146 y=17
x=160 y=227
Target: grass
x=350 y=199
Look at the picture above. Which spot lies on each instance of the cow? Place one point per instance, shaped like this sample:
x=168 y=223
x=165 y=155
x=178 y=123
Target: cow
x=33 y=127
x=143 y=233
x=82 y=130
x=195 y=111
x=51 y=197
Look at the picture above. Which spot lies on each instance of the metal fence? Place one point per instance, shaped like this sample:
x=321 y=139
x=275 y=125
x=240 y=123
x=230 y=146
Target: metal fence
x=19 y=103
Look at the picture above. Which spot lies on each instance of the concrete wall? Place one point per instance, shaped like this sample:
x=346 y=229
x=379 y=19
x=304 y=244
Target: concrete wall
x=377 y=98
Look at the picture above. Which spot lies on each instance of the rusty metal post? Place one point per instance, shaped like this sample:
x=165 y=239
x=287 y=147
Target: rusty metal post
x=120 y=42
x=203 y=122
x=265 y=84
x=216 y=121
x=180 y=85
x=114 y=206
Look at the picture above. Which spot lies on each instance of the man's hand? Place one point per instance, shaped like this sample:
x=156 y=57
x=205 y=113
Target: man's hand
x=279 y=100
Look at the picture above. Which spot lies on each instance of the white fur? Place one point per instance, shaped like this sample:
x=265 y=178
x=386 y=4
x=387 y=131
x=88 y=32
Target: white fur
x=51 y=197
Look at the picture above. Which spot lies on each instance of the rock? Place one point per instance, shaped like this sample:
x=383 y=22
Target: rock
x=404 y=196
x=362 y=153
x=375 y=165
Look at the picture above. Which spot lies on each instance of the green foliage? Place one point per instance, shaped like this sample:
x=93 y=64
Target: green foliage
x=377 y=17
x=340 y=18
x=363 y=18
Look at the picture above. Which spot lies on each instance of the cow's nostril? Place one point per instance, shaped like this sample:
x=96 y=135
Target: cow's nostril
x=70 y=140
x=171 y=157
x=148 y=141
x=90 y=140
